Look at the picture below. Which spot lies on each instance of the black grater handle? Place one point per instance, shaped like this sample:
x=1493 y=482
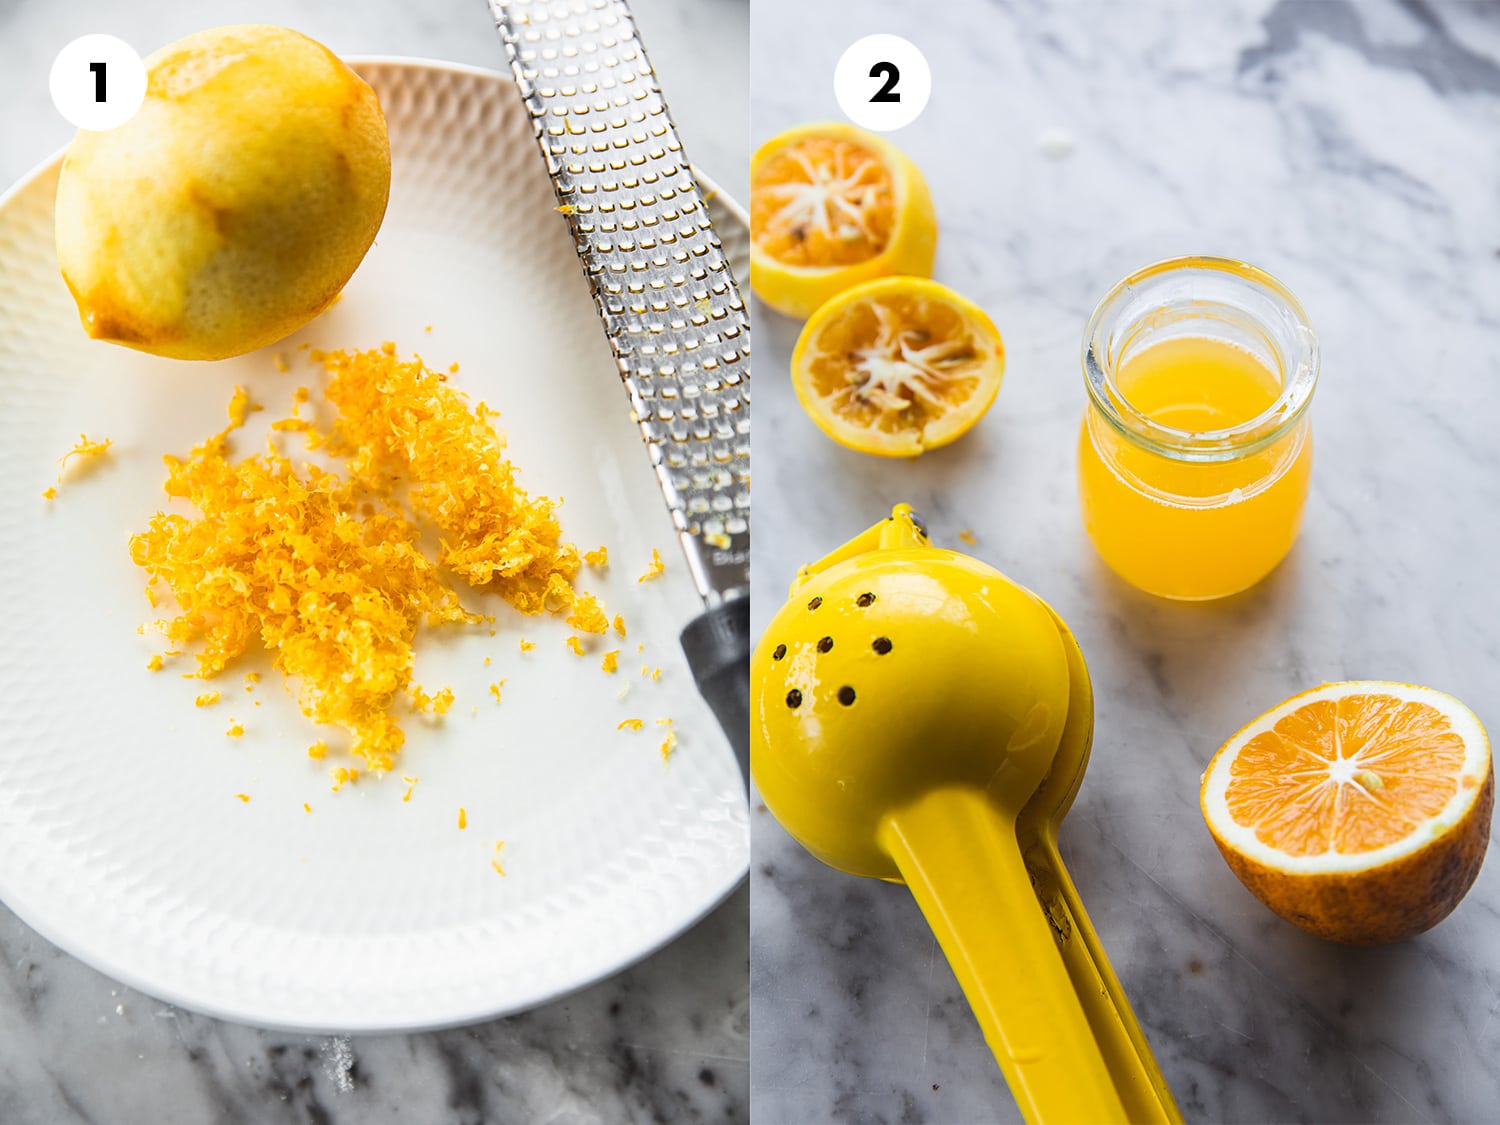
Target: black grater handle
x=717 y=644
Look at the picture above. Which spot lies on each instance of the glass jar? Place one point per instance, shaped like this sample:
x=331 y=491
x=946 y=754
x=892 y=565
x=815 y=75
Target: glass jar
x=1195 y=451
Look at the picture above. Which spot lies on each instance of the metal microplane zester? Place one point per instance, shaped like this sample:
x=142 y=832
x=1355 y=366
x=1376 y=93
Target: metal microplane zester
x=663 y=288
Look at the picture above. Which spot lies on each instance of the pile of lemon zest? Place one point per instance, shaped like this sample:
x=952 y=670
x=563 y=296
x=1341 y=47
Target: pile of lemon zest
x=243 y=797
x=668 y=745
x=318 y=751
x=155 y=663
x=611 y=662
x=495 y=863
x=620 y=626
x=631 y=724
x=236 y=728
x=278 y=555
x=207 y=699
x=463 y=819
x=87 y=450
x=968 y=537
x=526 y=646
x=656 y=567
x=49 y=494
x=398 y=418
x=598 y=559
x=576 y=645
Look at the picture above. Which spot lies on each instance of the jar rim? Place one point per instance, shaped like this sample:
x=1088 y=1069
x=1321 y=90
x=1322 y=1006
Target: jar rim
x=1300 y=368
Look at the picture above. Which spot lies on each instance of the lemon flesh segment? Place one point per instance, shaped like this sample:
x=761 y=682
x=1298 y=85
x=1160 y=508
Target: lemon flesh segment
x=234 y=206
x=828 y=206
x=898 y=366
x=831 y=207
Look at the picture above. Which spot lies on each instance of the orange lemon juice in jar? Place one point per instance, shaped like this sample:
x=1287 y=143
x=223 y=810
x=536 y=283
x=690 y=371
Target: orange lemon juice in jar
x=1195 y=451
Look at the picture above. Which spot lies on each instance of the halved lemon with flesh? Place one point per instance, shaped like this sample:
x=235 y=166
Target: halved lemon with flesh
x=832 y=206
x=898 y=366
x=1358 y=811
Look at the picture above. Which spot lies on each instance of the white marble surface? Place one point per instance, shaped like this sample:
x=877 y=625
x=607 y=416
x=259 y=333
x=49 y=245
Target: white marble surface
x=1354 y=150
x=665 y=1041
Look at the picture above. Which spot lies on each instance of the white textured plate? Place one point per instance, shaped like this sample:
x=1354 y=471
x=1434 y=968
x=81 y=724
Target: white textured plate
x=121 y=838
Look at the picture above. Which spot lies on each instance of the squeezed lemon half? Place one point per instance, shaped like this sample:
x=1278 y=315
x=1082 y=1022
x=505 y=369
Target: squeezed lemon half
x=832 y=206
x=898 y=366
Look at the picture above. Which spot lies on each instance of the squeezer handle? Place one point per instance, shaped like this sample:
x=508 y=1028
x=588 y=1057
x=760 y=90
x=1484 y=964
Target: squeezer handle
x=1137 y=1078
x=958 y=853
x=1030 y=963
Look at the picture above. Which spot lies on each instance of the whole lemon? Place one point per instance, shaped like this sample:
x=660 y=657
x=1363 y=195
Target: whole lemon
x=234 y=206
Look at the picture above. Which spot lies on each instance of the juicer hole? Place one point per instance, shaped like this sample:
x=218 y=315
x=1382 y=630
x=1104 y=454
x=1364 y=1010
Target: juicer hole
x=846 y=695
x=815 y=603
x=794 y=699
x=882 y=645
x=865 y=600
x=825 y=645
x=779 y=653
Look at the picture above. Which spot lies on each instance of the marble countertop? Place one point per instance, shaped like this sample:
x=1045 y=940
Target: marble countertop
x=1349 y=148
x=667 y=1040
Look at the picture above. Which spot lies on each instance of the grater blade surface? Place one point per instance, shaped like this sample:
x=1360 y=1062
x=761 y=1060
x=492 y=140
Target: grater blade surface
x=674 y=316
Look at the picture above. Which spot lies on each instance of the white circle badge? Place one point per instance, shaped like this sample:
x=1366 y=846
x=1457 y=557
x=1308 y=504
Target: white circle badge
x=882 y=82
x=97 y=82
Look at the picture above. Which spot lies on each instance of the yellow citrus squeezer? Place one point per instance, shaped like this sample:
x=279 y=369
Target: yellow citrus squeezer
x=918 y=717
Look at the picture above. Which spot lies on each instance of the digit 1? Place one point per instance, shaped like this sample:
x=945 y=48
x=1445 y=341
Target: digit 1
x=97 y=69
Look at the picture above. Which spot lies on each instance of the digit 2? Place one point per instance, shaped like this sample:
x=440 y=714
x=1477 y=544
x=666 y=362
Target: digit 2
x=97 y=70
x=888 y=92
